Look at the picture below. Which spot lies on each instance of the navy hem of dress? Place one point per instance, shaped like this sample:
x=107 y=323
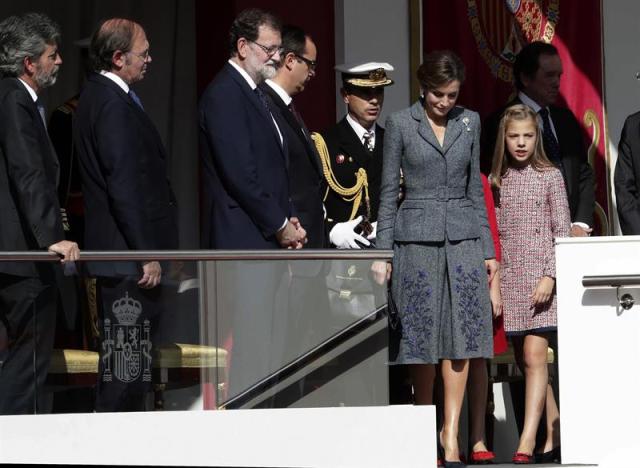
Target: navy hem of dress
x=531 y=331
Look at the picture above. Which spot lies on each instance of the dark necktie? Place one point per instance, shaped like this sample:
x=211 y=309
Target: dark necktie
x=367 y=140
x=296 y=114
x=42 y=112
x=551 y=146
x=135 y=98
x=263 y=99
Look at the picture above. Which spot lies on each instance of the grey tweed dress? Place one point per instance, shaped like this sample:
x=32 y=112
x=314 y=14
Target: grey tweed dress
x=440 y=237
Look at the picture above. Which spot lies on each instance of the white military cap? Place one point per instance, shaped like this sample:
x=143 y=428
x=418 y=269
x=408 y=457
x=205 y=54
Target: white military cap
x=365 y=74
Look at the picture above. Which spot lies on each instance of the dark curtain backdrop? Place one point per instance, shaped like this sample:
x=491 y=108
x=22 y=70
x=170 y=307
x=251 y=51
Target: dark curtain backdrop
x=189 y=44
x=168 y=91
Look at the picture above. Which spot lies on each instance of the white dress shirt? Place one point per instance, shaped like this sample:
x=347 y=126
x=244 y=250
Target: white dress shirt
x=360 y=130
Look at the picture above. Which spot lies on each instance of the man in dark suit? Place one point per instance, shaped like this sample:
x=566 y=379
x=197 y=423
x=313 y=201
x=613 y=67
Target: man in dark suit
x=297 y=66
x=129 y=205
x=247 y=199
x=31 y=220
x=307 y=297
x=626 y=178
x=537 y=71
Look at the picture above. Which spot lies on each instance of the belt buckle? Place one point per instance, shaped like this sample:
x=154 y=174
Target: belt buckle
x=443 y=194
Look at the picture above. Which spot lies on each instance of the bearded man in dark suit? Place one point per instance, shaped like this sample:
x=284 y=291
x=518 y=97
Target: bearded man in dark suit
x=247 y=199
x=247 y=203
x=31 y=219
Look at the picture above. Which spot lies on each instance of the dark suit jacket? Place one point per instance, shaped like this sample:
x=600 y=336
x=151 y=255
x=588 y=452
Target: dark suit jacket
x=305 y=172
x=29 y=174
x=578 y=175
x=129 y=204
x=245 y=167
x=341 y=140
x=627 y=176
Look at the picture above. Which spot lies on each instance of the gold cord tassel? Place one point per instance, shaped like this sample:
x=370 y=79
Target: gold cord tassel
x=353 y=194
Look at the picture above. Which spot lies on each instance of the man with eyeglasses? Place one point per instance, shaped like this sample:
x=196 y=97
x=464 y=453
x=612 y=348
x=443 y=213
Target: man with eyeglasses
x=296 y=68
x=247 y=201
x=129 y=205
x=307 y=298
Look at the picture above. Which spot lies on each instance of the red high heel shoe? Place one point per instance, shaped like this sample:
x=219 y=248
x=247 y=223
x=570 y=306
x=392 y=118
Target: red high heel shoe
x=483 y=457
x=520 y=458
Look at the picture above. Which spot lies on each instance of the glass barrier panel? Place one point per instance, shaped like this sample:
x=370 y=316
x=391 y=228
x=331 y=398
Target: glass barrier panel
x=301 y=333
x=211 y=334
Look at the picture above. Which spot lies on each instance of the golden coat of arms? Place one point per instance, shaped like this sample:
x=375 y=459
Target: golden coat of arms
x=502 y=27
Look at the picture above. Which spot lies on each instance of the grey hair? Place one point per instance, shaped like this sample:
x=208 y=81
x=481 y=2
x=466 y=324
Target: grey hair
x=25 y=36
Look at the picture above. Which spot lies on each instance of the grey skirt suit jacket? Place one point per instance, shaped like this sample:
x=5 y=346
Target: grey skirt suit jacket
x=440 y=236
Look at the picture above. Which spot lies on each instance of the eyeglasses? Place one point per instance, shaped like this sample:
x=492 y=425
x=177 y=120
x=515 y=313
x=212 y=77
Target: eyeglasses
x=144 y=55
x=271 y=50
x=310 y=63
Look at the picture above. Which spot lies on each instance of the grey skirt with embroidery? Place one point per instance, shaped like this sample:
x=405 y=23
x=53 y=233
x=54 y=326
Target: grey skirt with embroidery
x=442 y=296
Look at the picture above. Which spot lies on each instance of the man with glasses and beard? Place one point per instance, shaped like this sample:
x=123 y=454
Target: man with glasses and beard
x=247 y=203
x=31 y=219
x=129 y=205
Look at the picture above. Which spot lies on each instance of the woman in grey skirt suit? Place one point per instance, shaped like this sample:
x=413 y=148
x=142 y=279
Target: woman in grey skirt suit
x=443 y=251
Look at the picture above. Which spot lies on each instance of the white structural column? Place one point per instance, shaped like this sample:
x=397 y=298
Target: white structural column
x=621 y=27
x=599 y=352
x=375 y=30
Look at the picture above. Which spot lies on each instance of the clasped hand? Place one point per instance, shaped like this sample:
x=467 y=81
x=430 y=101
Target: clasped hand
x=292 y=235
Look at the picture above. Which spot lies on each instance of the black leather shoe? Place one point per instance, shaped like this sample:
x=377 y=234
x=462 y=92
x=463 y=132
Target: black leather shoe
x=552 y=456
x=454 y=464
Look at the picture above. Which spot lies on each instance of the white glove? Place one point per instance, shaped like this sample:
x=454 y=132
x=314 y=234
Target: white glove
x=343 y=236
x=372 y=236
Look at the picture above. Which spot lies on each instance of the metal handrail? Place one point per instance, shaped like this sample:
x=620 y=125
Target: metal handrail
x=204 y=255
x=610 y=281
x=305 y=359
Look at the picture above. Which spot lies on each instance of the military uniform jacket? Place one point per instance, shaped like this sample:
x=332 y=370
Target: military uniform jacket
x=347 y=155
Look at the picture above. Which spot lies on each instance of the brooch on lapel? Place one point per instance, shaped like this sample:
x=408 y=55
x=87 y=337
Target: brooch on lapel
x=465 y=121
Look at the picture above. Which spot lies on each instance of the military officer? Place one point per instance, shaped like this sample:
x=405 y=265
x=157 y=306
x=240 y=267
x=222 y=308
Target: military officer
x=351 y=153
